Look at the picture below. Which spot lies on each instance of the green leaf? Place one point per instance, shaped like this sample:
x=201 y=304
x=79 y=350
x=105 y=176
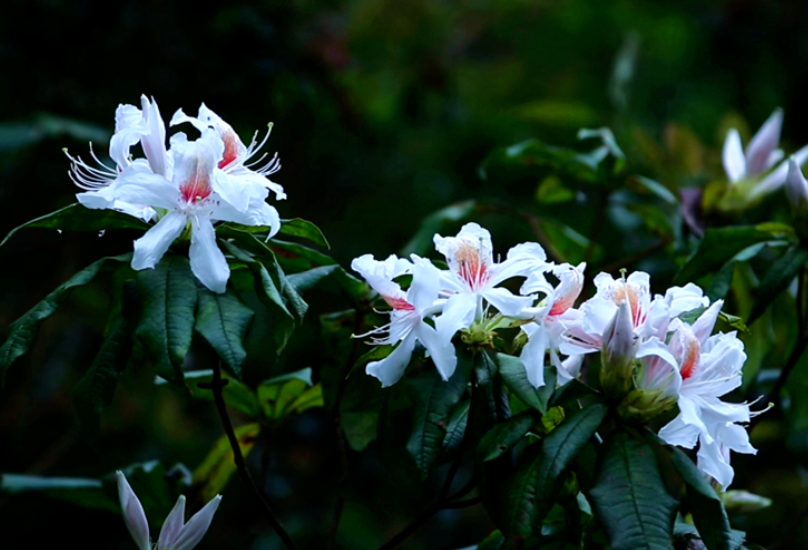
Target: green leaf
x=720 y=245
x=531 y=489
x=235 y=393
x=433 y=400
x=94 y=392
x=705 y=505
x=532 y=156
x=22 y=331
x=514 y=375
x=455 y=430
x=777 y=279
x=504 y=435
x=212 y=475
x=304 y=230
x=437 y=222
x=657 y=189
x=289 y=394
x=630 y=497
x=168 y=299
x=82 y=491
x=222 y=320
x=721 y=283
x=79 y=218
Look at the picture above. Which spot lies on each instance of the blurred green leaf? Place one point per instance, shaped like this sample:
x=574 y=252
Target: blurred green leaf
x=531 y=489
x=76 y=217
x=558 y=113
x=655 y=188
x=514 y=375
x=740 y=502
x=705 y=505
x=437 y=222
x=504 y=435
x=23 y=330
x=289 y=394
x=235 y=393
x=304 y=230
x=212 y=475
x=434 y=400
x=532 y=154
x=630 y=497
x=777 y=279
x=81 y=491
x=455 y=430
x=16 y=135
x=168 y=298
x=551 y=190
x=222 y=320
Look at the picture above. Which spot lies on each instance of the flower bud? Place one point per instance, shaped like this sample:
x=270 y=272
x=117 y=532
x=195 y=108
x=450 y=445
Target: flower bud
x=797 y=193
x=642 y=405
x=617 y=354
x=744 y=502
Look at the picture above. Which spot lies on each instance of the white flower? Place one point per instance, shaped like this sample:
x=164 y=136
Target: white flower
x=761 y=154
x=710 y=367
x=407 y=317
x=175 y=534
x=796 y=189
x=473 y=276
x=235 y=163
x=550 y=318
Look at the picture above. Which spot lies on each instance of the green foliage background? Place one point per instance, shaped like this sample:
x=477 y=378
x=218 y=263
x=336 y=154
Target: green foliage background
x=384 y=113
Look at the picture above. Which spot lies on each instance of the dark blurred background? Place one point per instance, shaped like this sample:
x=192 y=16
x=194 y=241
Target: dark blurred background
x=383 y=111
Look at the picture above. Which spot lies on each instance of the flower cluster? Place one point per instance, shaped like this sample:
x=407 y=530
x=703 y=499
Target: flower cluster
x=184 y=188
x=654 y=354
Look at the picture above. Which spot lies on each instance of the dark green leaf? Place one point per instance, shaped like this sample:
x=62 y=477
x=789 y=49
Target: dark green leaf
x=720 y=245
x=705 y=505
x=222 y=320
x=82 y=491
x=721 y=283
x=305 y=230
x=235 y=393
x=504 y=435
x=168 y=299
x=78 y=218
x=532 y=156
x=455 y=430
x=94 y=392
x=777 y=279
x=530 y=491
x=514 y=375
x=289 y=394
x=22 y=331
x=434 y=400
x=630 y=497
x=212 y=475
x=421 y=243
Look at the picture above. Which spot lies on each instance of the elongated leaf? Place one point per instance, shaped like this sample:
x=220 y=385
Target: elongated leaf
x=168 y=300
x=531 y=489
x=434 y=400
x=22 y=331
x=630 y=497
x=533 y=156
x=94 y=392
x=514 y=375
x=235 y=393
x=78 y=218
x=82 y=491
x=304 y=230
x=222 y=320
x=504 y=435
x=211 y=477
x=455 y=430
x=706 y=506
x=777 y=279
x=289 y=394
x=720 y=245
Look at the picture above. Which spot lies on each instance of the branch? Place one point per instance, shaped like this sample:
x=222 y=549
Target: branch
x=216 y=385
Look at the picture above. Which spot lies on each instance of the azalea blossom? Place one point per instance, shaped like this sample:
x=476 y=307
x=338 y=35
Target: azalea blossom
x=409 y=311
x=471 y=282
x=797 y=189
x=709 y=367
x=761 y=154
x=175 y=534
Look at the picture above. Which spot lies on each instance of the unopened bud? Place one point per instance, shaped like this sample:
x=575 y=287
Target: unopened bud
x=797 y=193
x=617 y=354
x=744 y=502
x=641 y=405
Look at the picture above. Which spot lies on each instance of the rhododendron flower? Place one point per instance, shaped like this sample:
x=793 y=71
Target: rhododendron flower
x=175 y=534
x=549 y=320
x=710 y=367
x=761 y=154
x=407 y=318
x=473 y=276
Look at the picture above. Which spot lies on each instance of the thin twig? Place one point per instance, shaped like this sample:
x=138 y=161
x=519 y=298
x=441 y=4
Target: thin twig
x=216 y=385
x=342 y=489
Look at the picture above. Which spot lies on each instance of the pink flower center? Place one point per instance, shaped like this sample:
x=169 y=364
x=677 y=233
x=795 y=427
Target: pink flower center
x=399 y=303
x=230 y=155
x=623 y=291
x=690 y=360
x=471 y=267
x=196 y=189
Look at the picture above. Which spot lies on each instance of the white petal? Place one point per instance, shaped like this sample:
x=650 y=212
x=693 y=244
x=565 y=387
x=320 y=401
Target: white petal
x=441 y=351
x=390 y=369
x=713 y=460
x=523 y=260
x=764 y=143
x=197 y=526
x=796 y=187
x=133 y=514
x=257 y=213
x=678 y=432
x=458 y=313
x=506 y=302
x=704 y=325
x=173 y=525
x=180 y=117
x=139 y=185
x=425 y=284
x=534 y=352
x=129 y=127
x=207 y=261
x=733 y=157
x=151 y=247
x=778 y=176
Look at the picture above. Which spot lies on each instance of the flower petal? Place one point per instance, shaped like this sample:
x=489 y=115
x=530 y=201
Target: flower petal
x=207 y=261
x=732 y=156
x=778 y=176
x=193 y=531
x=151 y=247
x=458 y=313
x=442 y=352
x=764 y=143
x=390 y=369
x=173 y=525
x=533 y=353
x=133 y=514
